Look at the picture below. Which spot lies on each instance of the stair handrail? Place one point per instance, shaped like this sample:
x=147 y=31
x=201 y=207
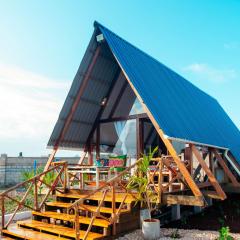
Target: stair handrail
x=107 y=183
x=33 y=184
x=115 y=214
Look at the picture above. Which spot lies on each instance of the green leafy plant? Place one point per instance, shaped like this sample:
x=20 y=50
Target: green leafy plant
x=139 y=182
x=175 y=234
x=48 y=178
x=224 y=234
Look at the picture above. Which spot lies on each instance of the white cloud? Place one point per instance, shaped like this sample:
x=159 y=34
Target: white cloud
x=207 y=72
x=29 y=103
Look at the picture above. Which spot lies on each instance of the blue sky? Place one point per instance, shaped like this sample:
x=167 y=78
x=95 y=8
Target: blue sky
x=42 y=44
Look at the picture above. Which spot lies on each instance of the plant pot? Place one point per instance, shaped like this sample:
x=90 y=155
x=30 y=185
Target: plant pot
x=151 y=229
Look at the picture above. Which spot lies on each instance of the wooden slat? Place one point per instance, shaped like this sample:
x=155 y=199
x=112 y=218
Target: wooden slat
x=56 y=229
x=211 y=194
x=28 y=234
x=6 y=238
x=226 y=169
x=211 y=177
x=98 y=195
x=91 y=208
x=71 y=218
x=183 y=200
x=94 y=216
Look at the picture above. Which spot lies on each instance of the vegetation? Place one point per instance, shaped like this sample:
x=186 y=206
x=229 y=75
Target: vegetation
x=224 y=234
x=175 y=234
x=138 y=182
x=18 y=194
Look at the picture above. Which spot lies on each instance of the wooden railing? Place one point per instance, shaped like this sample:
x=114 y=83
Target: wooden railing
x=112 y=185
x=115 y=183
x=33 y=188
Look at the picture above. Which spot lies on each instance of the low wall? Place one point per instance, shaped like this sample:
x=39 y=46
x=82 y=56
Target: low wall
x=11 y=168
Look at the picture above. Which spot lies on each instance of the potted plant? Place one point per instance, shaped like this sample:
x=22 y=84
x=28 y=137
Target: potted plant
x=146 y=196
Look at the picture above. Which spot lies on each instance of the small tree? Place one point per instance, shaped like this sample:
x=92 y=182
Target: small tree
x=139 y=182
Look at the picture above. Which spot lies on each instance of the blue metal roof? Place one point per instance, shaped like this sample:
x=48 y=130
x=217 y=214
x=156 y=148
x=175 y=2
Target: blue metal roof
x=182 y=110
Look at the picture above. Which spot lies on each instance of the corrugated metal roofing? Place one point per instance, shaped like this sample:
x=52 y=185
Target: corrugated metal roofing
x=182 y=110
x=101 y=77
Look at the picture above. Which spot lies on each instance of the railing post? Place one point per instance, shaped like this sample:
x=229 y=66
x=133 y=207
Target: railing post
x=65 y=181
x=2 y=211
x=35 y=194
x=113 y=207
x=77 y=227
x=160 y=180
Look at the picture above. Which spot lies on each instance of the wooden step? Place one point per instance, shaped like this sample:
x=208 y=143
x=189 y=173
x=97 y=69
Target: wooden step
x=57 y=229
x=28 y=234
x=98 y=196
x=92 y=208
x=6 y=238
x=71 y=218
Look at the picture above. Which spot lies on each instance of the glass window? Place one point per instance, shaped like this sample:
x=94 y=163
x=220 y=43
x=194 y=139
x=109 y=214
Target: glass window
x=136 y=108
x=119 y=137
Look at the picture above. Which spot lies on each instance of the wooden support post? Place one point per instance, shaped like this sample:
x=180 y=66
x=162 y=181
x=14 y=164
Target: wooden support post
x=90 y=156
x=77 y=224
x=139 y=136
x=113 y=207
x=35 y=194
x=211 y=161
x=65 y=180
x=225 y=168
x=98 y=141
x=210 y=175
x=160 y=176
x=2 y=211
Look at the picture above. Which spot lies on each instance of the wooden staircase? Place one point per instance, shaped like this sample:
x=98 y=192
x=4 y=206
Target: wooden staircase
x=104 y=212
x=57 y=221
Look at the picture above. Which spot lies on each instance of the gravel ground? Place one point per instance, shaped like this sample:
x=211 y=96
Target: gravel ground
x=185 y=235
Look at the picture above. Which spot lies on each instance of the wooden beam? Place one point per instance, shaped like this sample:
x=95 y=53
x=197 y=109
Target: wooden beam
x=211 y=161
x=74 y=106
x=196 y=191
x=183 y=200
x=198 y=169
x=211 y=194
x=50 y=159
x=225 y=168
x=115 y=119
x=97 y=120
x=210 y=175
x=139 y=137
x=98 y=142
x=78 y=121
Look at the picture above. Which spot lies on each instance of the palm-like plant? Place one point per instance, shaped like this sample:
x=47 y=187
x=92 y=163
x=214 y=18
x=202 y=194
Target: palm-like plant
x=139 y=182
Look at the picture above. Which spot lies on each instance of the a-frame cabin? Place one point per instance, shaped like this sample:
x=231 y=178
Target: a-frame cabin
x=124 y=102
